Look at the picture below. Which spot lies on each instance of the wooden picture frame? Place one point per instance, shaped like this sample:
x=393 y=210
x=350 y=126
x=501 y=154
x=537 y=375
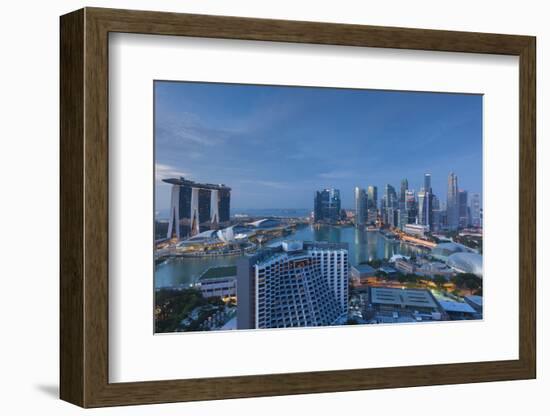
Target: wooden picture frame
x=84 y=207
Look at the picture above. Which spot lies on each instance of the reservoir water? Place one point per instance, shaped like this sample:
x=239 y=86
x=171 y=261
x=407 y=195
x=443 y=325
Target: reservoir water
x=363 y=246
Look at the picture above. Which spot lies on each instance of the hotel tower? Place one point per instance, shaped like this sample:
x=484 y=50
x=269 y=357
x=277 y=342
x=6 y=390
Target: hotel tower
x=196 y=207
x=296 y=284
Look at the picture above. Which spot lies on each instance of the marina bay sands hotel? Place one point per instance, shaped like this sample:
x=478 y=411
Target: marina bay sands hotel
x=196 y=207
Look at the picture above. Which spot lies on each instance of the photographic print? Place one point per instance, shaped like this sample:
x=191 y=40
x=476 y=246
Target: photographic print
x=290 y=206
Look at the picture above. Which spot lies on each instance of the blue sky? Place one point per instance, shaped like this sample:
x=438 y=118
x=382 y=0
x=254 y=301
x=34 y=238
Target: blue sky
x=274 y=146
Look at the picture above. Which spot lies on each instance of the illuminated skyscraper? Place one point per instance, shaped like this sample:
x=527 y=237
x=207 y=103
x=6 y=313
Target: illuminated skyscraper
x=410 y=207
x=475 y=209
x=403 y=192
x=372 y=204
x=402 y=216
x=327 y=205
x=372 y=197
x=391 y=196
x=463 y=217
x=360 y=206
x=435 y=202
x=425 y=202
x=452 y=201
x=425 y=208
x=428 y=182
x=389 y=205
x=422 y=207
x=436 y=214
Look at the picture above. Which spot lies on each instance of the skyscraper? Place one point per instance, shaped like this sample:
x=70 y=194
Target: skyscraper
x=428 y=182
x=425 y=202
x=475 y=209
x=403 y=192
x=392 y=217
x=422 y=207
x=360 y=206
x=435 y=202
x=294 y=285
x=452 y=201
x=436 y=214
x=463 y=217
x=195 y=207
x=425 y=208
x=391 y=196
x=401 y=218
x=327 y=205
x=372 y=204
x=390 y=204
x=410 y=207
x=372 y=197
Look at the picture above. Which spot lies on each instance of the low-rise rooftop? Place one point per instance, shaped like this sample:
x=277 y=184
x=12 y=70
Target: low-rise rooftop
x=219 y=272
x=452 y=306
x=363 y=269
x=403 y=297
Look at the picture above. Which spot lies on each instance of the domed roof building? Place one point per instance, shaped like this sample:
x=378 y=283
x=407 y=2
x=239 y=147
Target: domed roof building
x=204 y=236
x=204 y=239
x=443 y=250
x=227 y=235
x=265 y=223
x=466 y=263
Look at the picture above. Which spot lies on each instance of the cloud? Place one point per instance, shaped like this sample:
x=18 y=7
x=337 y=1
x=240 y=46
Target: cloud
x=180 y=132
x=269 y=184
x=183 y=129
x=298 y=155
x=163 y=171
x=335 y=174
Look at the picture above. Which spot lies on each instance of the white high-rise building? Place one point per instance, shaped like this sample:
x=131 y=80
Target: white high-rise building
x=298 y=284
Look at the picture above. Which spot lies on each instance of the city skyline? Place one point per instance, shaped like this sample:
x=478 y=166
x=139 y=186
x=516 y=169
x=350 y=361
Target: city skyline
x=222 y=133
x=378 y=229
